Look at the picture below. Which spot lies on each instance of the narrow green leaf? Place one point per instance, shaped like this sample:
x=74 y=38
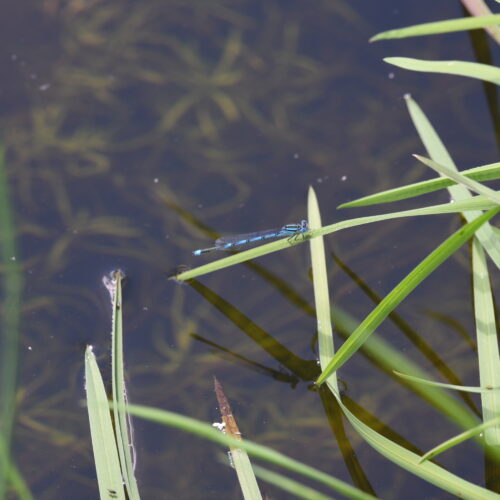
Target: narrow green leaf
x=106 y=459
x=482 y=173
x=437 y=151
x=452 y=387
x=461 y=179
x=12 y=285
x=478 y=71
x=487 y=342
x=291 y=486
x=401 y=291
x=460 y=438
x=439 y=27
x=320 y=282
x=123 y=424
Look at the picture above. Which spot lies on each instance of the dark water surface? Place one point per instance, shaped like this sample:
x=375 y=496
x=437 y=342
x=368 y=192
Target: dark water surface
x=136 y=131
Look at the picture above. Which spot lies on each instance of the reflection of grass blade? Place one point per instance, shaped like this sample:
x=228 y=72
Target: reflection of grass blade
x=101 y=430
x=241 y=462
x=480 y=71
x=401 y=291
x=483 y=173
x=295 y=364
x=10 y=324
x=439 y=27
x=123 y=427
x=487 y=341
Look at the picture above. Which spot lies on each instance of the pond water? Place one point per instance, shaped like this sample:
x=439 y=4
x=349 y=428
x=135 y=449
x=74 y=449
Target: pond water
x=137 y=132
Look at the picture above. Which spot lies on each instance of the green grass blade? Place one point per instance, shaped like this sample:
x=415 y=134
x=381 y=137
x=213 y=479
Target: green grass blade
x=411 y=462
x=246 y=476
x=439 y=27
x=460 y=438
x=206 y=431
x=18 y=484
x=482 y=173
x=291 y=486
x=106 y=459
x=9 y=340
x=123 y=425
x=473 y=204
x=320 y=283
x=487 y=341
x=479 y=71
x=437 y=151
x=461 y=179
x=452 y=387
x=401 y=291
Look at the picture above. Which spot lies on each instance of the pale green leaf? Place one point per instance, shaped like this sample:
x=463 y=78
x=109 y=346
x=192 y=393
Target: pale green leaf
x=487 y=341
x=461 y=179
x=452 y=387
x=439 y=27
x=482 y=173
x=320 y=283
x=123 y=423
x=478 y=71
x=106 y=458
x=438 y=152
